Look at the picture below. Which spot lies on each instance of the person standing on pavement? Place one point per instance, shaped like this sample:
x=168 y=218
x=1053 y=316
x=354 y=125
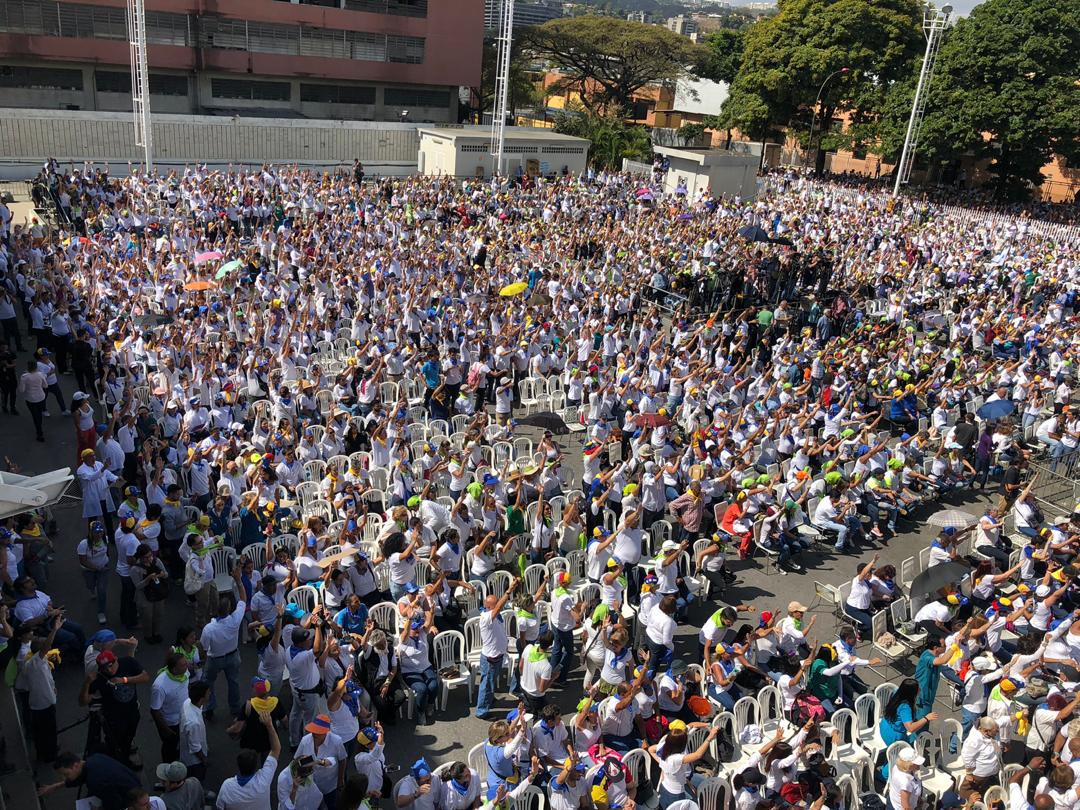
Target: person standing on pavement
x=95 y=481
x=33 y=389
x=304 y=657
x=325 y=746
x=493 y=648
x=47 y=367
x=168 y=693
x=9 y=321
x=9 y=381
x=251 y=787
x=221 y=638
x=114 y=686
x=566 y=612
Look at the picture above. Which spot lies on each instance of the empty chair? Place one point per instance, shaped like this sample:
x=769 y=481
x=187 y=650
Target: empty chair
x=305 y=596
x=449 y=652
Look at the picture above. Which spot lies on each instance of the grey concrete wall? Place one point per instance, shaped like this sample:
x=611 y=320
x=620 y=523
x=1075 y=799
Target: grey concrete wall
x=31 y=136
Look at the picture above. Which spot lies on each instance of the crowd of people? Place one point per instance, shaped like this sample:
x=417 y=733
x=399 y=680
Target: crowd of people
x=385 y=438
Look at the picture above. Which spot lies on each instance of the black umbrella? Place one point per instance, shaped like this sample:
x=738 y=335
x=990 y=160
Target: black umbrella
x=753 y=233
x=938 y=576
x=546 y=420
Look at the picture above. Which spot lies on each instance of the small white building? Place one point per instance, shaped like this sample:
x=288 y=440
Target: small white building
x=465 y=151
x=724 y=173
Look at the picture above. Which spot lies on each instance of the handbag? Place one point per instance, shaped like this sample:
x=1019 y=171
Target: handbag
x=156 y=590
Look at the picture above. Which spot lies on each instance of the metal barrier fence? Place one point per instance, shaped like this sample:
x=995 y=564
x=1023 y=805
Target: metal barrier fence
x=1057 y=491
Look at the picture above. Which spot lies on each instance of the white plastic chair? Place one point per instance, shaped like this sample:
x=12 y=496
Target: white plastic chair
x=449 y=651
x=305 y=596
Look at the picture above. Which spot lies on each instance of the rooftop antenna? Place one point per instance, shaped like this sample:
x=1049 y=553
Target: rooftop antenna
x=502 y=85
x=140 y=80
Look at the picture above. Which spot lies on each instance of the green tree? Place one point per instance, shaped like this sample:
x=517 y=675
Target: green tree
x=723 y=55
x=523 y=89
x=1006 y=87
x=606 y=60
x=788 y=56
x=689 y=133
x=611 y=139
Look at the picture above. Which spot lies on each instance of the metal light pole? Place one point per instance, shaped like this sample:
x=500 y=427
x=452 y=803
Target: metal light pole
x=935 y=22
x=502 y=85
x=817 y=103
x=140 y=80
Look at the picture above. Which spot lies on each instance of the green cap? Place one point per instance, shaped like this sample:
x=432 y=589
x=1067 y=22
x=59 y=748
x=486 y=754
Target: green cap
x=413 y=502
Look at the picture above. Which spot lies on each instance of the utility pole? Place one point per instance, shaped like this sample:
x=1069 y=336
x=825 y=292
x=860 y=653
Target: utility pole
x=502 y=85
x=935 y=22
x=140 y=80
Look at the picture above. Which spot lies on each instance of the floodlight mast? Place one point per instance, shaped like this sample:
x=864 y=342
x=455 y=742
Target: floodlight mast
x=502 y=85
x=935 y=21
x=140 y=80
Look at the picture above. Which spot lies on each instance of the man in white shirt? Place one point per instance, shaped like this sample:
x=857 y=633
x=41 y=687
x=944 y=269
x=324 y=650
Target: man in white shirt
x=981 y=754
x=220 y=638
x=194 y=749
x=250 y=788
x=325 y=746
x=493 y=647
x=536 y=671
x=564 y=617
x=168 y=694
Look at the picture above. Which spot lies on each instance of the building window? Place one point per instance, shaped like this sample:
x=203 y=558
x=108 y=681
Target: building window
x=409 y=97
x=402 y=8
x=88 y=22
x=249 y=90
x=32 y=78
x=474 y=147
x=409 y=50
x=337 y=94
x=161 y=84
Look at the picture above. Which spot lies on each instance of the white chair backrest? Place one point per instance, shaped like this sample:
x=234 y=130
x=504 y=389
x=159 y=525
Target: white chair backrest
x=534 y=575
x=879 y=624
x=305 y=596
x=771 y=703
x=746 y=712
x=725 y=721
x=866 y=712
x=712 y=794
x=639 y=763
x=843 y=720
x=498 y=583
x=882 y=694
x=893 y=752
x=223 y=560
x=256 y=552
x=532 y=798
x=472 y=637
x=995 y=796
x=477 y=760
x=849 y=792
x=449 y=648
x=384 y=614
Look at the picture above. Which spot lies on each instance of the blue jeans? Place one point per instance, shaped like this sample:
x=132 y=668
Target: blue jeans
x=70 y=637
x=98 y=581
x=425 y=686
x=688 y=792
x=396 y=591
x=841 y=533
x=725 y=698
x=622 y=743
x=562 y=653
x=230 y=666
x=489 y=671
x=861 y=617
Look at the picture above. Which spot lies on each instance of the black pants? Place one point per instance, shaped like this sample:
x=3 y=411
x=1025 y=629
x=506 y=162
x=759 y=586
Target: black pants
x=170 y=746
x=62 y=349
x=84 y=380
x=36 y=409
x=129 y=614
x=7 y=397
x=43 y=730
x=11 y=333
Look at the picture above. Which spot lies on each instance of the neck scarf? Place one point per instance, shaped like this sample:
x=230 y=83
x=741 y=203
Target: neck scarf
x=178 y=678
x=537 y=654
x=460 y=788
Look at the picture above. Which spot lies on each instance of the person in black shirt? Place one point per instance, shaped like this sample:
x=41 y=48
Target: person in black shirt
x=105 y=778
x=114 y=687
x=9 y=381
x=965 y=434
x=1011 y=482
x=82 y=362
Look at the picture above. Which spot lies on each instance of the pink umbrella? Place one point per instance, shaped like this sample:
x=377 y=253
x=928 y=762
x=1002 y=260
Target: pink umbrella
x=208 y=256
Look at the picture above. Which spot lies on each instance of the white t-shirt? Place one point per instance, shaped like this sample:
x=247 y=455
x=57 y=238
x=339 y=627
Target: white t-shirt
x=900 y=781
x=674 y=772
x=254 y=795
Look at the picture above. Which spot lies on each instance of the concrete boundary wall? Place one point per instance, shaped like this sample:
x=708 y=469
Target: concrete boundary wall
x=31 y=136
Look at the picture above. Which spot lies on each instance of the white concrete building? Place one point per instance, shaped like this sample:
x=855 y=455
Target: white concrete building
x=724 y=173
x=465 y=151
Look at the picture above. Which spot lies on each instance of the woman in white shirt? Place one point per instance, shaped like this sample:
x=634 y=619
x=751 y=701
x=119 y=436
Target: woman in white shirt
x=904 y=790
x=676 y=763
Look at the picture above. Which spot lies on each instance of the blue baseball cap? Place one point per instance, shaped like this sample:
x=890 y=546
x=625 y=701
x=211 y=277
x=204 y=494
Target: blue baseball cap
x=103 y=637
x=411 y=587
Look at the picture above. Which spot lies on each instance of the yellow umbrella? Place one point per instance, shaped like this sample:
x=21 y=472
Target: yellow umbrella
x=517 y=288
